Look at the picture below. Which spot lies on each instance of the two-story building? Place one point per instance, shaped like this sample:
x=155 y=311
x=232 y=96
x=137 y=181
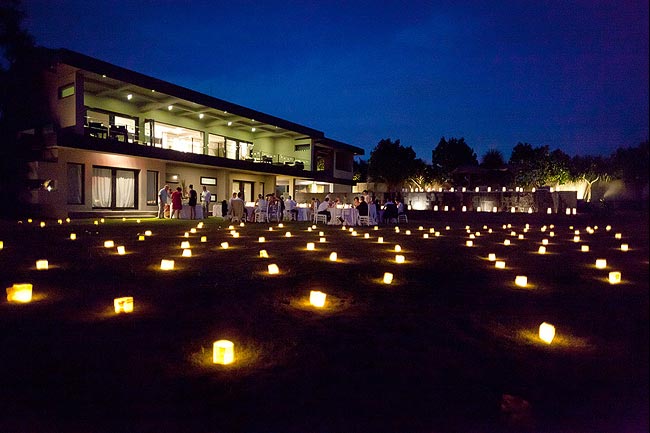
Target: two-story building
x=117 y=136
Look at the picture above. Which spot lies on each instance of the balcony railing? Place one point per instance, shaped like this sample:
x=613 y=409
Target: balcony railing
x=120 y=134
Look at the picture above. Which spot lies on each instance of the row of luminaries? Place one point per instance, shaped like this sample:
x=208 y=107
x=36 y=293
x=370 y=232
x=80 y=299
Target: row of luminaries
x=224 y=350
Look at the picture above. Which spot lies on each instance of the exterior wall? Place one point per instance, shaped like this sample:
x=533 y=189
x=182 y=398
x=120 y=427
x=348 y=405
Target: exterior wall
x=347 y=158
x=69 y=112
x=63 y=110
x=54 y=203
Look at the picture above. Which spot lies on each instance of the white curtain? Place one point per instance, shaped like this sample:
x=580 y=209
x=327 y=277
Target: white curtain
x=124 y=188
x=101 y=187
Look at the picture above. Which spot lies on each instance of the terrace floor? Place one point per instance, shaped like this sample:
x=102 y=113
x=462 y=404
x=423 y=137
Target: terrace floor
x=450 y=345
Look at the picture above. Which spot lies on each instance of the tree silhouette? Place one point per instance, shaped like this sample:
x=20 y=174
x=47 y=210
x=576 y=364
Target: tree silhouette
x=538 y=166
x=493 y=159
x=360 y=170
x=392 y=163
x=589 y=169
x=22 y=105
x=632 y=165
x=449 y=155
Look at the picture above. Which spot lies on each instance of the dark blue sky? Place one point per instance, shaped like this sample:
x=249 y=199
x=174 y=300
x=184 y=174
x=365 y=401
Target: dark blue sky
x=569 y=74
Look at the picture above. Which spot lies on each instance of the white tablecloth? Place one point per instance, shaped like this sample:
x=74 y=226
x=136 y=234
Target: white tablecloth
x=304 y=213
x=349 y=216
x=185 y=212
x=250 y=213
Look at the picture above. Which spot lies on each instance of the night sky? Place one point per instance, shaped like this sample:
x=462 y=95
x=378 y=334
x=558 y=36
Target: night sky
x=569 y=74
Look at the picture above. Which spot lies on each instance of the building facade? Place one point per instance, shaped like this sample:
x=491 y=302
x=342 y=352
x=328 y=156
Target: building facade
x=117 y=136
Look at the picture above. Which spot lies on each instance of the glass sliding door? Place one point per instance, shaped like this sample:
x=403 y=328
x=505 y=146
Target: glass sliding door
x=152 y=187
x=246 y=188
x=114 y=188
x=102 y=190
x=124 y=189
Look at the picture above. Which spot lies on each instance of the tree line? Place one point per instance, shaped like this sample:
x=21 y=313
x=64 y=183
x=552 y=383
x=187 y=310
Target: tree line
x=455 y=164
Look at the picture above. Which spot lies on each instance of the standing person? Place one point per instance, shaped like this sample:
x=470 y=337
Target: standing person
x=362 y=207
x=366 y=196
x=206 y=199
x=163 y=195
x=234 y=197
x=372 y=211
x=177 y=203
x=192 y=202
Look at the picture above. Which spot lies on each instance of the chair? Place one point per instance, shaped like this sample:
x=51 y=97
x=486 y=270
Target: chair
x=273 y=213
x=262 y=214
x=287 y=215
x=402 y=218
x=363 y=220
x=237 y=211
x=390 y=213
x=319 y=217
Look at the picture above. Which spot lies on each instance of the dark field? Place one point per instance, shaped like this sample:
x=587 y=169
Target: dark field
x=439 y=350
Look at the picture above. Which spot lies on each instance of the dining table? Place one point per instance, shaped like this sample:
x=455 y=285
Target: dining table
x=304 y=213
x=348 y=214
x=185 y=211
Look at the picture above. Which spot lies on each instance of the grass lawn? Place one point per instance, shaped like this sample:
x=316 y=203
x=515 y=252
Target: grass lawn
x=451 y=345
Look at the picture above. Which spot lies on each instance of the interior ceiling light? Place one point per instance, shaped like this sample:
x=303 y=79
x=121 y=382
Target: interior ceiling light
x=229 y=123
x=252 y=129
x=201 y=115
x=170 y=107
x=129 y=96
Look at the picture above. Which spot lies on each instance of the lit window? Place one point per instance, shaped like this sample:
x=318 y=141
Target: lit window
x=67 y=90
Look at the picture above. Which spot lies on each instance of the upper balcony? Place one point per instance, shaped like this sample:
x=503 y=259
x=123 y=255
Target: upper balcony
x=107 y=103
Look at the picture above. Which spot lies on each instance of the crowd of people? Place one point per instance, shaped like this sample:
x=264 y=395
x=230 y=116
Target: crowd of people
x=270 y=207
x=170 y=202
x=367 y=206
